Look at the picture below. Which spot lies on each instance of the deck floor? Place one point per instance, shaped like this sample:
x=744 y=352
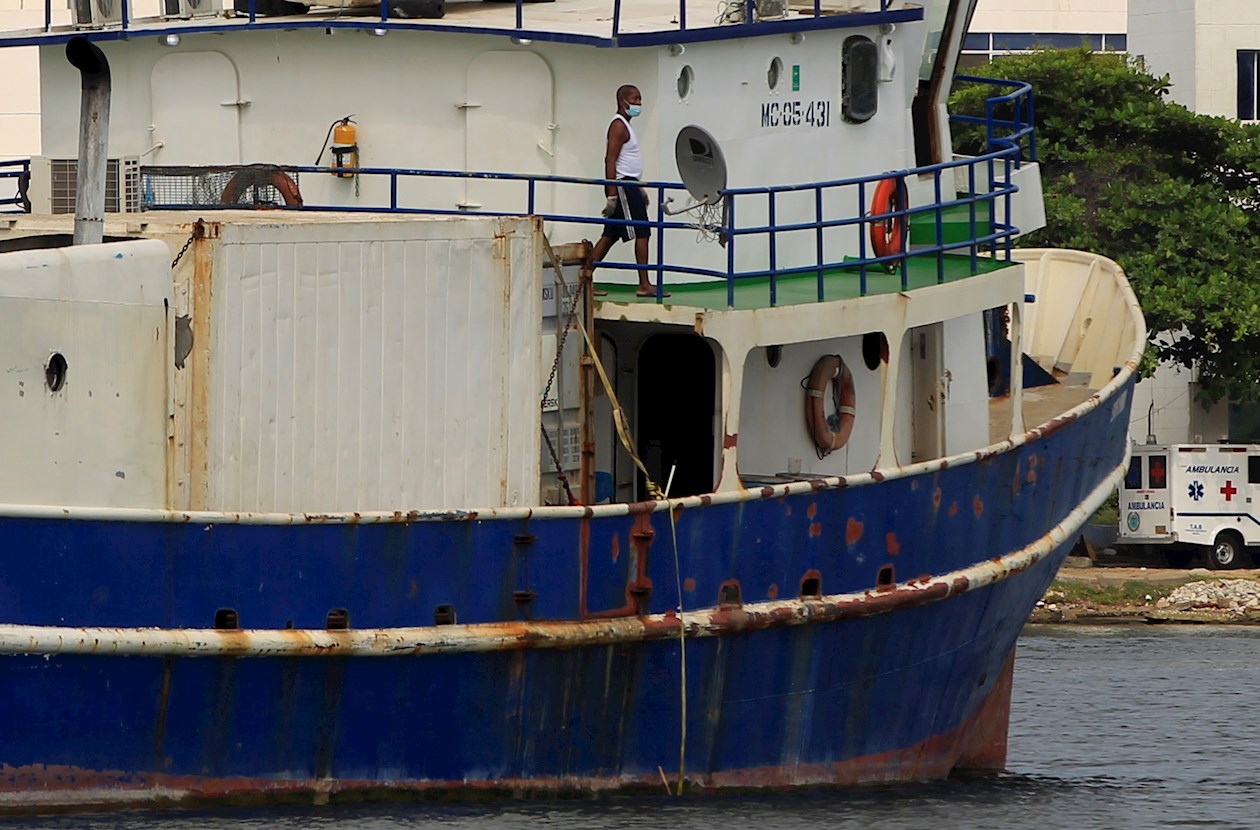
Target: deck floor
x=802 y=289
x=1041 y=404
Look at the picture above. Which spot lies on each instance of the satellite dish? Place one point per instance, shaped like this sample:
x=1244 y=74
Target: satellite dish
x=701 y=164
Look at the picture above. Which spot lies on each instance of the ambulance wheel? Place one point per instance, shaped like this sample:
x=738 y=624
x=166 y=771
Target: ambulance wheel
x=1226 y=552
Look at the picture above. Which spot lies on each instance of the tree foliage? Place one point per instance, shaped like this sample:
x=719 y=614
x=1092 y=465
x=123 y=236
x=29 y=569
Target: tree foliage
x=1172 y=196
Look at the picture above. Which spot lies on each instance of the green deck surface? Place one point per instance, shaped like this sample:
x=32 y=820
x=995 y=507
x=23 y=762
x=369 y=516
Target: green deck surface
x=955 y=224
x=802 y=289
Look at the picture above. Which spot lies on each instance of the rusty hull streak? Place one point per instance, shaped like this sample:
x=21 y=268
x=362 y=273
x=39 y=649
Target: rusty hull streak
x=507 y=636
x=977 y=744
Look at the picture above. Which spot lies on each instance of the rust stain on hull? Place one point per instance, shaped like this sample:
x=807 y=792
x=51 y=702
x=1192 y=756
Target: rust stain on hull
x=979 y=744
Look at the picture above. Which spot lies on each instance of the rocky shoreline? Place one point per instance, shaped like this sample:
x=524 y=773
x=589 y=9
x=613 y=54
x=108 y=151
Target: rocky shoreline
x=1085 y=593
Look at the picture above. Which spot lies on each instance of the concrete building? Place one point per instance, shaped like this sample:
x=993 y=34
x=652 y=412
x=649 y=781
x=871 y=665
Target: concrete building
x=1000 y=27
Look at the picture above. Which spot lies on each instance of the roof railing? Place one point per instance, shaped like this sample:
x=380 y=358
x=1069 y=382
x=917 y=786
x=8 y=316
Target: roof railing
x=740 y=12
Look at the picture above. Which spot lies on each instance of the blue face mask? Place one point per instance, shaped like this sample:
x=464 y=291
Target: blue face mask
x=633 y=110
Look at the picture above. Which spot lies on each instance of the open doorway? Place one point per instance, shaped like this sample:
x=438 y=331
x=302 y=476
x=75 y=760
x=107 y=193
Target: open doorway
x=677 y=376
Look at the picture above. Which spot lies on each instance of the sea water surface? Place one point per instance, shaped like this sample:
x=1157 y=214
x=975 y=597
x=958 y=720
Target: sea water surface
x=1112 y=727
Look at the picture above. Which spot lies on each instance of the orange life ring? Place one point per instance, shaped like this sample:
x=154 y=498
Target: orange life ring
x=245 y=179
x=829 y=369
x=888 y=232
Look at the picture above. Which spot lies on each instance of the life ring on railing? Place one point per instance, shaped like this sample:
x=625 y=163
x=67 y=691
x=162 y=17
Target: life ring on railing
x=888 y=232
x=245 y=179
x=829 y=432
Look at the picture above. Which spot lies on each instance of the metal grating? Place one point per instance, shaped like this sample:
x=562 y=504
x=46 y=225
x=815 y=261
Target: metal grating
x=63 y=174
x=255 y=186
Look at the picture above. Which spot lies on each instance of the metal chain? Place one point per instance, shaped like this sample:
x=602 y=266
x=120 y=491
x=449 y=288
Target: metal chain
x=187 y=245
x=555 y=368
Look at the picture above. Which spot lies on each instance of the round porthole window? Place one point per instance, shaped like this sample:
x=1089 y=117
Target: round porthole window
x=685 y=78
x=774 y=73
x=55 y=372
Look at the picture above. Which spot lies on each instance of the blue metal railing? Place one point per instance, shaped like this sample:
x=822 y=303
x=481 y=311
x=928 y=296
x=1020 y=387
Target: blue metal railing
x=749 y=15
x=1008 y=119
x=988 y=229
x=988 y=226
x=18 y=174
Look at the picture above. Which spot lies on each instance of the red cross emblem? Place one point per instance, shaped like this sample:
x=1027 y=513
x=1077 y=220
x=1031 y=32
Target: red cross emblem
x=1228 y=490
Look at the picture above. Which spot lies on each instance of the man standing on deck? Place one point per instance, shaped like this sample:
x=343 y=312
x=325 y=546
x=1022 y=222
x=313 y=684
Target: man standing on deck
x=623 y=161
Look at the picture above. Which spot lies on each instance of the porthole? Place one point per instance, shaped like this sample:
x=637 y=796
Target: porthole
x=774 y=73
x=55 y=372
x=685 y=79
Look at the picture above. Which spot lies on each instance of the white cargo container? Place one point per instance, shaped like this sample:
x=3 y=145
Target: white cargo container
x=1193 y=498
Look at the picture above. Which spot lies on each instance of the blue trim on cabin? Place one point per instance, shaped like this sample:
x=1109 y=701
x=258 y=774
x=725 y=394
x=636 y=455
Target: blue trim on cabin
x=635 y=40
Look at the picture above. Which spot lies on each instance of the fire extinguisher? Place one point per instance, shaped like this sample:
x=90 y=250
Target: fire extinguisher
x=345 y=148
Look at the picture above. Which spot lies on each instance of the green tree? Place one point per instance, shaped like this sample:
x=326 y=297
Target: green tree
x=1172 y=196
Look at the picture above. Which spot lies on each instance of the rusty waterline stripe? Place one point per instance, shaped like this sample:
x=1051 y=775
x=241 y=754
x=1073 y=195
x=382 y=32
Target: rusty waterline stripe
x=484 y=637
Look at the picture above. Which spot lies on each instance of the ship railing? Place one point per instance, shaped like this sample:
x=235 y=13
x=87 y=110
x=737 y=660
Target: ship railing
x=15 y=173
x=767 y=246
x=733 y=12
x=1008 y=119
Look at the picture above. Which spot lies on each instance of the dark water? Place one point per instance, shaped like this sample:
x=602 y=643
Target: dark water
x=1141 y=727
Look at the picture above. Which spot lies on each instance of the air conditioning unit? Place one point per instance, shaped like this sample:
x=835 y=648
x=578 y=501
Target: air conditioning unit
x=185 y=9
x=96 y=14
x=54 y=185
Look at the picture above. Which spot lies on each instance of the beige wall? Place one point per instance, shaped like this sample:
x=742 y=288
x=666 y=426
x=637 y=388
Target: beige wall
x=19 y=95
x=1044 y=16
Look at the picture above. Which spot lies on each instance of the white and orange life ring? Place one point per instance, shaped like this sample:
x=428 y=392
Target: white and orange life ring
x=888 y=232
x=829 y=370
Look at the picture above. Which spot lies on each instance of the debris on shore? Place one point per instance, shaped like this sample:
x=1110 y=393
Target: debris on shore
x=1116 y=595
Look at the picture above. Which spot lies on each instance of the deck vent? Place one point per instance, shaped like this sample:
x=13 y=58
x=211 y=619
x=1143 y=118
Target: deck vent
x=811 y=585
x=225 y=619
x=886 y=578
x=444 y=615
x=122 y=185
x=338 y=620
x=729 y=595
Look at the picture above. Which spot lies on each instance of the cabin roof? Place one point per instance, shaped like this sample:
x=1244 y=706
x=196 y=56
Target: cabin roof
x=604 y=23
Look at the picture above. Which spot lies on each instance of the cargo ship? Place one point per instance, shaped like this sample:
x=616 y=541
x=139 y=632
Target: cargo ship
x=376 y=476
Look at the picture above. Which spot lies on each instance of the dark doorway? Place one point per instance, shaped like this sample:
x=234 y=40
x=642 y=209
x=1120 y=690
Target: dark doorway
x=677 y=373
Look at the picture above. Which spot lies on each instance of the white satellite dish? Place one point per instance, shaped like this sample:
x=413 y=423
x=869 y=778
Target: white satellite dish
x=700 y=164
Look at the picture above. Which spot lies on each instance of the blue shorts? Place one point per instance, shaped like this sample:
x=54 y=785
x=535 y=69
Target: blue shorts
x=630 y=202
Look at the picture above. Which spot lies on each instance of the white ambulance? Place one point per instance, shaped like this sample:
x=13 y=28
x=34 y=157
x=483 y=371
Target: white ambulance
x=1201 y=498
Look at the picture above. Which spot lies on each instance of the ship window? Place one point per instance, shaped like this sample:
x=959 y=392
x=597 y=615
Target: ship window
x=1158 y=472
x=55 y=372
x=685 y=79
x=1133 y=478
x=1253 y=469
x=859 y=79
x=1248 y=88
x=774 y=73
x=874 y=349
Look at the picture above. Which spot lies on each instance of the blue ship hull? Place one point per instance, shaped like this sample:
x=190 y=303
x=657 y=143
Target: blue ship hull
x=906 y=679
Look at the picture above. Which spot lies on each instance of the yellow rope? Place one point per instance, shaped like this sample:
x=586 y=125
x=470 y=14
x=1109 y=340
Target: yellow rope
x=619 y=415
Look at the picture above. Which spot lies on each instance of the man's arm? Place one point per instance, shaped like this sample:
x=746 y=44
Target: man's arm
x=618 y=135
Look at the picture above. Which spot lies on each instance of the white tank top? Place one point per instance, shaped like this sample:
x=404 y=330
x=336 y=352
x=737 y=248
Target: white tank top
x=630 y=160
